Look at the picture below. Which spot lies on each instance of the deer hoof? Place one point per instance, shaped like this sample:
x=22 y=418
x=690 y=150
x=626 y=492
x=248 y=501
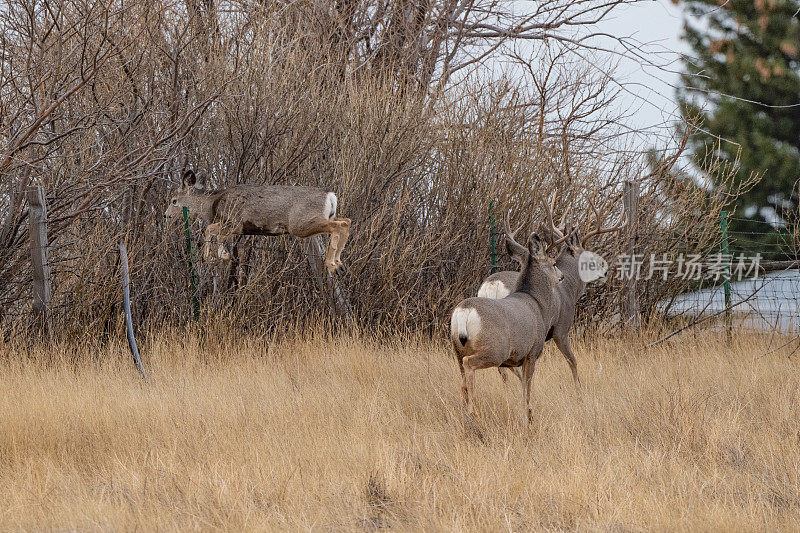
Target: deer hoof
x=334 y=266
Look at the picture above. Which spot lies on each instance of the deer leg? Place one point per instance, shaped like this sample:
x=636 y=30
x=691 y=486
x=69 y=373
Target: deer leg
x=211 y=229
x=563 y=344
x=470 y=364
x=527 y=379
x=221 y=233
x=464 y=395
x=223 y=253
x=516 y=370
x=330 y=254
x=344 y=233
x=469 y=384
x=339 y=230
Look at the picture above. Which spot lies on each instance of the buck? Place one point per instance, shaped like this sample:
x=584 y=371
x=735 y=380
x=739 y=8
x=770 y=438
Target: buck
x=567 y=292
x=509 y=332
x=263 y=210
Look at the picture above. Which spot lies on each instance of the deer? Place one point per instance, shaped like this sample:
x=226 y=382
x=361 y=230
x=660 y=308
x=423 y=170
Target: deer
x=508 y=332
x=262 y=210
x=568 y=291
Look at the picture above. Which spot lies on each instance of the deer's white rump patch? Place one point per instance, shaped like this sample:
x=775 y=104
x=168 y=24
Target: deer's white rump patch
x=494 y=289
x=330 y=206
x=465 y=323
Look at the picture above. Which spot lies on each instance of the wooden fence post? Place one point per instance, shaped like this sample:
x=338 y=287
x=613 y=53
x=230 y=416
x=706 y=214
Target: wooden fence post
x=327 y=284
x=39 y=256
x=630 y=304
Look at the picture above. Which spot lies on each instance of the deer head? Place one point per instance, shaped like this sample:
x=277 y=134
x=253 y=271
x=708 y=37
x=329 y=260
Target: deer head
x=553 y=235
x=191 y=195
x=538 y=259
x=572 y=241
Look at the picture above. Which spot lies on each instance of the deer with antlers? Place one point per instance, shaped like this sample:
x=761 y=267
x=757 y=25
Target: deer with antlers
x=263 y=210
x=510 y=332
x=568 y=291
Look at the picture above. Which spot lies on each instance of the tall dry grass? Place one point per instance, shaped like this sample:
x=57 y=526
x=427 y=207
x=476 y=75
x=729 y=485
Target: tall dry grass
x=351 y=433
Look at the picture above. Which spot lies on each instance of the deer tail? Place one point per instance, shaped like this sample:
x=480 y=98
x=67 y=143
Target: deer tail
x=465 y=324
x=330 y=206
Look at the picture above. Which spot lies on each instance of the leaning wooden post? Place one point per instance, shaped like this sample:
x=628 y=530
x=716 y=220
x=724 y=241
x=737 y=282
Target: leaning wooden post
x=126 y=303
x=39 y=257
x=631 y=205
x=315 y=251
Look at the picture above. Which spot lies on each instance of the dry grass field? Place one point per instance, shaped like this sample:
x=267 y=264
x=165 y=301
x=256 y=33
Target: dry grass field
x=355 y=434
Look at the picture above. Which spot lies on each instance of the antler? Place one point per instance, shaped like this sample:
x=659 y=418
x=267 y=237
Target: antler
x=557 y=231
x=599 y=230
x=515 y=249
x=507 y=230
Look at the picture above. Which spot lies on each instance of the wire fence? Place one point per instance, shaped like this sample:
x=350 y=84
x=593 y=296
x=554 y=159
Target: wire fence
x=766 y=300
x=274 y=275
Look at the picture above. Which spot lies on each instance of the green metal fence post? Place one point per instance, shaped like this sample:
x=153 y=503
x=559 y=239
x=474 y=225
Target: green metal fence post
x=492 y=238
x=726 y=280
x=190 y=252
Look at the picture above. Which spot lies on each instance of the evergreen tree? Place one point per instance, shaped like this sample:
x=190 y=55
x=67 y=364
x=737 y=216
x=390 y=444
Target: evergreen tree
x=743 y=81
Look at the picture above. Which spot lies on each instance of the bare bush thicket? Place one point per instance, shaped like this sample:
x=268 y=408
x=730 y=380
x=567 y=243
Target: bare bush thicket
x=103 y=105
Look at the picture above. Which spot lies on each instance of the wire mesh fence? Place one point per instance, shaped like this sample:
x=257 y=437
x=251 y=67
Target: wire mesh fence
x=768 y=297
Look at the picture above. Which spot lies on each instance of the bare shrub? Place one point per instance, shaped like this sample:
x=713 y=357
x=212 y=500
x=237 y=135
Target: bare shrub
x=104 y=104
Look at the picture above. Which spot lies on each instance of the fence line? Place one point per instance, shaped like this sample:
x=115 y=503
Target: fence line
x=338 y=297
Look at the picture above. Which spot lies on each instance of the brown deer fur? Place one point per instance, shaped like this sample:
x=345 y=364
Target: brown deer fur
x=510 y=332
x=566 y=293
x=263 y=210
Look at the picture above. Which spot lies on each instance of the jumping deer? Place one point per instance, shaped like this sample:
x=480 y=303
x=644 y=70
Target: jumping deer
x=566 y=293
x=263 y=210
x=509 y=332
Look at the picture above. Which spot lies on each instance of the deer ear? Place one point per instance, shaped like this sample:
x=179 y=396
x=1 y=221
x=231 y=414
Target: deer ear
x=200 y=183
x=546 y=233
x=536 y=245
x=574 y=237
x=517 y=252
x=189 y=178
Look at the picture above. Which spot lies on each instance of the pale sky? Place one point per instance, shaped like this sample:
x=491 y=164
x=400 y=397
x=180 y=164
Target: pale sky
x=649 y=92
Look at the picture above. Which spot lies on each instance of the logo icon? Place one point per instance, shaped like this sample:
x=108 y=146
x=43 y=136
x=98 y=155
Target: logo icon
x=591 y=267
